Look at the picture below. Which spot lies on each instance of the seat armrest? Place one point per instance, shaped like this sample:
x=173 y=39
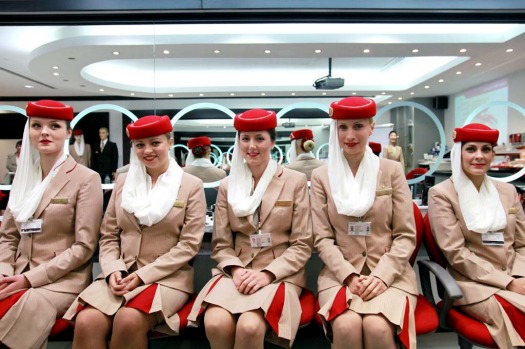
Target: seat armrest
x=450 y=286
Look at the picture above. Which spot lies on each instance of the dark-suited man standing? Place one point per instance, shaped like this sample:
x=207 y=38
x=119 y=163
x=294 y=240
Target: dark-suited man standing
x=104 y=158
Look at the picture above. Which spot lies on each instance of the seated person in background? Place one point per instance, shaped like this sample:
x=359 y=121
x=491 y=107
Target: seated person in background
x=49 y=231
x=376 y=147
x=79 y=150
x=393 y=151
x=261 y=241
x=198 y=161
x=479 y=225
x=364 y=233
x=152 y=229
x=301 y=157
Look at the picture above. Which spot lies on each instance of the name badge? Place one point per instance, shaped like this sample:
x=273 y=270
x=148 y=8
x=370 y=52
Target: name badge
x=359 y=228
x=59 y=201
x=179 y=204
x=260 y=240
x=384 y=191
x=513 y=210
x=31 y=227
x=492 y=239
x=282 y=203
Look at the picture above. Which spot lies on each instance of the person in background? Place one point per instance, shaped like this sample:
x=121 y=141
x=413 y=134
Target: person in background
x=104 y=156
x=301 y=157
x=152 y=229
x=79 y=150
x=364 y=233
x=198 y=161
x=49 y=231
x=376 y=147
x=12 y=159
x=261 y=241
x=393 y=151
x=479 y=225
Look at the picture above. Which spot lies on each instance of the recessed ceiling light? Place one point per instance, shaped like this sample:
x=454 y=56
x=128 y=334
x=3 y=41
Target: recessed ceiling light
x=412 y=93
x=201 y=94
x=131 y=94
x=383 y=93
x=29 y=86
x=509 y=50
x=427 y=86
x=116 y=53
x=318 y=51
x=55 y=67
x=217 y=51
x=478 y=64
x=224 y=127
x=263 y=94
x=441 y=80
x=366 y=50
x=267 y=51
x=389 y=102
x=400 y=98
x=101 y=89
x=324 y=93
x=56 y=74
x=463 y=50
x=232 y=94
x=458 y=73
x=293 y=93
x=166 y=52
x=170 y=95
x=415 y=50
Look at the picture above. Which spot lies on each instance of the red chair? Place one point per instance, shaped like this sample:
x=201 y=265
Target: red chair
x=425 y=315
x=419 y=171
x=183 y=320
x=308 y=307
x=470 y=331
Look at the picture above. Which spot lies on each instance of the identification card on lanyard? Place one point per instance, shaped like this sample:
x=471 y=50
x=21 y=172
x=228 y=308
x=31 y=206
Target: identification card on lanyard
x=260 y=239
x=359 y=228
x=31 y=227
x=492 y=239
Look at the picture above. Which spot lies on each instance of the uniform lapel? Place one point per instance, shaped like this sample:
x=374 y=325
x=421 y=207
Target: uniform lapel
x=272 y=194
x=61 y=179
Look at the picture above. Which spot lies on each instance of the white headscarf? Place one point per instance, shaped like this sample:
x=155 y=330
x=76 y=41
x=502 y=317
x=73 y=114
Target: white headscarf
x=353 y=196
x=482 y=211
x=150 y=205
x=240 y=184
x=28 y=187
x=79 y=147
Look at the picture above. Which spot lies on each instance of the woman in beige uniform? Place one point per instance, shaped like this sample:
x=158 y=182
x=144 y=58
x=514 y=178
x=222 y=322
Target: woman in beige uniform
x=364 y=233
x=262 y=240
x=393 y=151
x=479 y=225
x=80 y=150
x=301 y=157
x=152 y=229
x=49 y=231
x=198 y=161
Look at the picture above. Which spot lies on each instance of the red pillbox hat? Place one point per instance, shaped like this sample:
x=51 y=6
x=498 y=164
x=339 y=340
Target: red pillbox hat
x=475 y=133
x=353 y=108
x=199 y=142
x=255 y=120
x=49 y=109
x=304 y=133
x=149 y=126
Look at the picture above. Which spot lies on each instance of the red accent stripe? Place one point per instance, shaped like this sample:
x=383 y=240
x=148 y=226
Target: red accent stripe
x=143 y=300
x=340 y=305
x=276 y=309
x=404 y=336
x=185 y=311
x=515 y=315
x=72 y=168
x=7 y=303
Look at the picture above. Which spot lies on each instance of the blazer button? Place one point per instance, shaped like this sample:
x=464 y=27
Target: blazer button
x=252 y=254
x=503 y=268
x=363 y=254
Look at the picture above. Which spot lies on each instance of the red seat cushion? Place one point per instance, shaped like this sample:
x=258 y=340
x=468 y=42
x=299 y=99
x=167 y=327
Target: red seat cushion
x=183 y=318
x=471 y=329
x=307 y=300
x=60 y=328
x=426 y=317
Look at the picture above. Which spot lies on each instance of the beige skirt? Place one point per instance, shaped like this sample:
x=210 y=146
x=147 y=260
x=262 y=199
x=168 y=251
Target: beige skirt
x=279 y=302
x=501 y=326
x=395 y=305
x=165 y=304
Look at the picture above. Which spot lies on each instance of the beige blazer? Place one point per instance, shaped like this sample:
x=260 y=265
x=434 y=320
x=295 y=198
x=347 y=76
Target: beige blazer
x=85 y=159
x=394 y=153
x=161 y=253
x=58 y=258
x=285 y=213
x=207 y=174
x=386 y=252
x=11 y=163
x=479 y=270
x=305 y=166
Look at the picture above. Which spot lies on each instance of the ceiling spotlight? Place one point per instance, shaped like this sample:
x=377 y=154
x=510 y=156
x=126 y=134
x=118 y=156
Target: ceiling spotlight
x=478 y=64
x=56 y=74
x=366 y=50
x=131 y=94
x=201 y=94
x=383 y=93
x=427 y=86
x=354 y=93
x=458 y=73
x=293 y=93
x=55 y=67
x=463 y=50
x=324 y=93
x=267 y=51
x=389 y=102
x=217 y=51
x=224 y=127
x=509 y=50
x=170 y=95
x=318 y=51
x=232 y=94
x=263 y=94
x=101 y=89
x=399 y=98
x=116 y=53
x=415 y=50
x=412 y=93
x=166 y=52
x=29 y=86
x=441 y=80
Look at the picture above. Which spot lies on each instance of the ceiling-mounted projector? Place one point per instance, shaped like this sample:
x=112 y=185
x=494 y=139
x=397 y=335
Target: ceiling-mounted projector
x=328 y=82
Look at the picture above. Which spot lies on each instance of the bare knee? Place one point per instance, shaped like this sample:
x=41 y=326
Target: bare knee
x=91 y=321
x=378 y=328
x=251 y=325
x=218 y=322
x=130 y=322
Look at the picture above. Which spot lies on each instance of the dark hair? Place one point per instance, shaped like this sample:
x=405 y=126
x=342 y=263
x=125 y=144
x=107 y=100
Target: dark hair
x=392 y=132
x=199 y=151
x=19 y=143
x=271 y=132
